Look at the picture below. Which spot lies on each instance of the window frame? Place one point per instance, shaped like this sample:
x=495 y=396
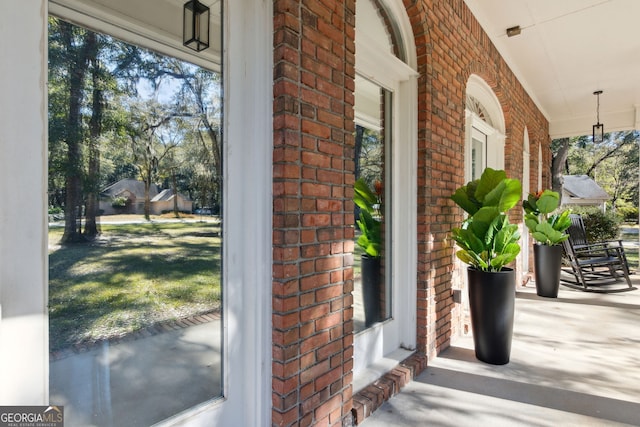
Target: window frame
x=247 y=200
x=382 y=346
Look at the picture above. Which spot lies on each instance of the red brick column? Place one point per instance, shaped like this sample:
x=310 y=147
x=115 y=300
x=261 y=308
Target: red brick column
x=314 y=70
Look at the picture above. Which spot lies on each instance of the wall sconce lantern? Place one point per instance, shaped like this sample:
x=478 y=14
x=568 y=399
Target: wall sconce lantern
x=195 y=27
x=598 y=128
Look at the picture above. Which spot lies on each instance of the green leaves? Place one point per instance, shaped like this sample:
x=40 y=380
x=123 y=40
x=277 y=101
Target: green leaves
x=363 y=197
x=486 y=239
x=487 y=247
x=371 y=238
x=545 y=228
x=492 y=189
x=466 y=200
x=547 y=202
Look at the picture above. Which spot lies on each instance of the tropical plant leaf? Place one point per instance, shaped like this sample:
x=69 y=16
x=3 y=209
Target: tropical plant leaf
x=548 y=201
x=486 y=239
x=551 y=235
x=562 y=221
x=510 y=253
x=370 y=248
x=530 y=205
x=492 y=198
x=472 y=258
x=531 y=221
x=511 y=194
x=489 y=180
x=505 y=237
x=371 y=238
x=467 y=240
x=482 y=221
x=363 y=196
x=505 y=195
x=461 y=197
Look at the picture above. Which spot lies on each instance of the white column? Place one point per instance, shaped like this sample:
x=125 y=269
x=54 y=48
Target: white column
x=24 y=362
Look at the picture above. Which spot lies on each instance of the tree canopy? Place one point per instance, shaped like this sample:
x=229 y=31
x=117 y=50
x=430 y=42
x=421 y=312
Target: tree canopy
x=613 y=164
x=120 y=111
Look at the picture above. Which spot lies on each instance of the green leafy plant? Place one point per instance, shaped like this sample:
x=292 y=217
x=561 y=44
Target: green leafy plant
x=119 y=202
x=368 y=221
x=487 y=241
x=600 y=226
x=546 y=225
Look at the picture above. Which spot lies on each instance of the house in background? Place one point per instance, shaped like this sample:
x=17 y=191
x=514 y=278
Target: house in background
x=580 y=190
x=130 y=193
x=164 y=202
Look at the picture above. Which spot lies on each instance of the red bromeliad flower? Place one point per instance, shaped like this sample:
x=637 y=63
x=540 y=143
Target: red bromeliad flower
x=378 y=188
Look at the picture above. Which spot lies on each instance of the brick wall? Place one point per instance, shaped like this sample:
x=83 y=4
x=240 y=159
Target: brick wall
x=314 y=70
x=452 y=46
x=313 y=178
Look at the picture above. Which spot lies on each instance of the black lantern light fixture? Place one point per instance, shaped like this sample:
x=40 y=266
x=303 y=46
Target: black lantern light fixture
x=195 y=28
x=598 y=128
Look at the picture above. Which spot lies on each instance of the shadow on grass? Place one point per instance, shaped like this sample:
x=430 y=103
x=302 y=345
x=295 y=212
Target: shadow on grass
x=132 y=276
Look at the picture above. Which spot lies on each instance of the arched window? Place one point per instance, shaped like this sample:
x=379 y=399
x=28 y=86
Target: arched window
x=386 y=143
x=485 y=129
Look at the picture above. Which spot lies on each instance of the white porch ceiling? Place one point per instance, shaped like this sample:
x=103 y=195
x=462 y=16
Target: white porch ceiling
x=567 y=50
x=155 y=24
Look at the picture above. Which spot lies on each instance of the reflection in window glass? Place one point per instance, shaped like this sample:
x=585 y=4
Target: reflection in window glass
x=478 y=153
x=371 y=294
x=135 y=235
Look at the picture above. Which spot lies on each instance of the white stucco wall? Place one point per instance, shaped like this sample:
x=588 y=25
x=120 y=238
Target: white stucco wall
x=23 y=248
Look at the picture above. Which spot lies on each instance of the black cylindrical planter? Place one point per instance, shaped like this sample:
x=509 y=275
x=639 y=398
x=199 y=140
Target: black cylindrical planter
x=492 y=305
x=370 y=269
x=547 y=261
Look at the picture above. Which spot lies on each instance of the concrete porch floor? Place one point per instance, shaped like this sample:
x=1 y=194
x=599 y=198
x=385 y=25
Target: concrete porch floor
x=575 y=361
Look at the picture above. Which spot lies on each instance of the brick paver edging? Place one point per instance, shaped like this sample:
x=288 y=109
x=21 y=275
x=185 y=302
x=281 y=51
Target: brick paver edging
x=370 y=398
x=155 y=329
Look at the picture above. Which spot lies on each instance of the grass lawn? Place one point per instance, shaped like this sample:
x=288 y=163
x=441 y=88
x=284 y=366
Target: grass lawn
x=629 y=233
x=132 y=276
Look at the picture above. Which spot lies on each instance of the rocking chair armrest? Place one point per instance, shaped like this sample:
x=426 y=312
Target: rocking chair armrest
x=594 y=246
x=607 y=243
x=614 y=243
x=585 y=250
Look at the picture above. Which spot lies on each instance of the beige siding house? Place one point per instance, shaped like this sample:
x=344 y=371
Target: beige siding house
x=132 y=191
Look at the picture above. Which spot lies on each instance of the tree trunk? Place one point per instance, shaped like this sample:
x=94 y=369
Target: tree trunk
x=174 y=184
x=77 y=69
x=147 y=198
x=358 y=149
x=558 y=166
x=91 y=229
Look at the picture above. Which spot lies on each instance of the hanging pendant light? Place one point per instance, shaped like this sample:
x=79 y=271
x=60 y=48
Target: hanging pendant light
x=195 y=27
x=598 y=128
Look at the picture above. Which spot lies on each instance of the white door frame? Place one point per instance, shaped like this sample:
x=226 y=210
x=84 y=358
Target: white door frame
x=526 y=189
x=380 y=347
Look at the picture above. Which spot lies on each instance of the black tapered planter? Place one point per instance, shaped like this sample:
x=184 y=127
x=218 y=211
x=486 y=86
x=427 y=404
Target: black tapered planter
x=370 y=271
x=547 y=261
x=492 y=304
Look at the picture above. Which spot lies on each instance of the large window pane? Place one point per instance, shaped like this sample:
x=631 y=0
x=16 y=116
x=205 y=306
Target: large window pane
x=135 y=238
x=478 y=153
x=372 y=293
